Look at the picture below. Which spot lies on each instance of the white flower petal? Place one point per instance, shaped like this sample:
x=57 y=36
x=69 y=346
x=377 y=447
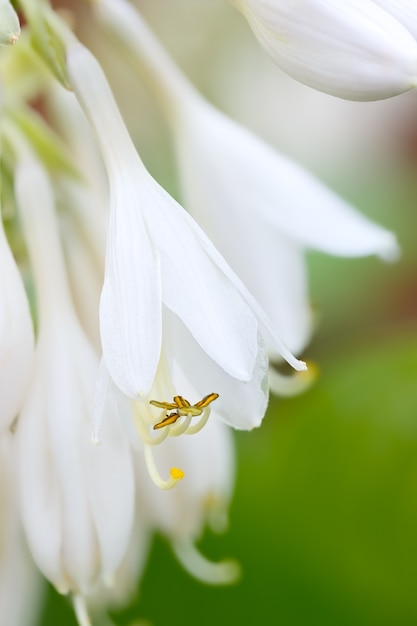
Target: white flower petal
x=130 y=306
x=275 y=271
x=108 y=475
x=241 y=405
x=272 y=266
x=39 y=489
x=130 y=317
x=351 y=49
x=18 y=577
x=405 y=11
x=196 y=289
x=223 y=165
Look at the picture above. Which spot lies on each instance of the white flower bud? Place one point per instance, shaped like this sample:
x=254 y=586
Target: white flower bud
x=351 y=49
x=9 y=24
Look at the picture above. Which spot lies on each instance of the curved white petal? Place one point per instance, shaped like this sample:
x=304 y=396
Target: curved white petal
x=39 y=489
x=130 y=317
x=196 y=289
x=76 y=498
x=351 y=49
x=130 y=305
x=108 y=474
x=270 y=264
x=224 y=165
x=242 y=404
x=275 y=271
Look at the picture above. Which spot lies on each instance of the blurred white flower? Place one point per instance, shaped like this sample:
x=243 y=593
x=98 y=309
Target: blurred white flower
x=258 y=207
x=126 y=579
x=77 y=500
x=16 y=336
x=20 y=583
x=351 y=49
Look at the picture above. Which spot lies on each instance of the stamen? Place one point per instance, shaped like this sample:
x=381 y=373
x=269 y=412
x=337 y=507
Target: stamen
x=151 y=440
x=293 y=384
x=80 y=610
x=181 y=402
x=175 y=473
x=195 y=428
x=201 y=404
x=168 y=406
x=180 y=427
x=226 y=572
x=183 y=408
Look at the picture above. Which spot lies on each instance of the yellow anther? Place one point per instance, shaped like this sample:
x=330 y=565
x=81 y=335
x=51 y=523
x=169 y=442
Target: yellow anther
x=170 y=419
x=168 y=406
x=176 y=473
x=182 y=408
x=181 y=402
x=201 y=404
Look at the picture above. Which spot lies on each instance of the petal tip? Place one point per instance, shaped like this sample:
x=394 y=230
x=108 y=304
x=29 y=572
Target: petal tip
x=390 y=250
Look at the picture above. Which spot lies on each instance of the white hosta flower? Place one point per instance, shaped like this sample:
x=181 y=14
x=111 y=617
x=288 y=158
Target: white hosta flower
x=9 y=24
x=164 y=414
x=20 y=583
x=159 y=262
x=77 y=500
x=258 y=207
x=405 y=11
x=351 y=48
x=16 y=336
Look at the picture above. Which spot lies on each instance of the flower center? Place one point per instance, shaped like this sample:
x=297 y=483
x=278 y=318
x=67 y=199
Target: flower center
x=174 y=420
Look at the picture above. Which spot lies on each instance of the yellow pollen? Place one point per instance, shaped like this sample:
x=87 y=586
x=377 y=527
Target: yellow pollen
x=176 y=473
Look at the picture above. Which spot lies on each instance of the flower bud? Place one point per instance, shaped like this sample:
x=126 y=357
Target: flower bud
x=352 y=49
x=9 y=24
